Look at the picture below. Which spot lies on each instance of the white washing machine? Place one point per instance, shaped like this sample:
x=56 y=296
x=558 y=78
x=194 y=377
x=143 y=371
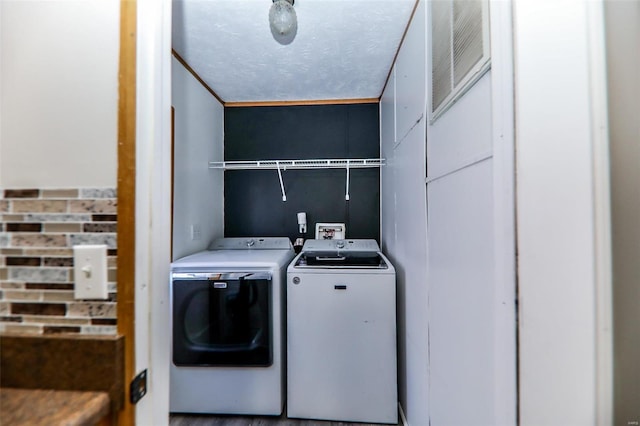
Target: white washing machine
x=341 y=333
x=227 y=328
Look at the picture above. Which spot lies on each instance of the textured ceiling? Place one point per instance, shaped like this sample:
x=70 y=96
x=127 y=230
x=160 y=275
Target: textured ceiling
x=343 y=49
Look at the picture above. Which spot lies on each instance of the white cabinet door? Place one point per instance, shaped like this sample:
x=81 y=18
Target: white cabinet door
x=462 y=311
x=463 y=134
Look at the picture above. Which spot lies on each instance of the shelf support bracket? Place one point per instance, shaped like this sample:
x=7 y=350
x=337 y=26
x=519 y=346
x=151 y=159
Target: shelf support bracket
x=346 y=196
x=284 y=195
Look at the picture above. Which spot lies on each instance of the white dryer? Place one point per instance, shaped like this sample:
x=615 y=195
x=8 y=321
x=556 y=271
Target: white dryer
x=341 y=333
x=227 y=328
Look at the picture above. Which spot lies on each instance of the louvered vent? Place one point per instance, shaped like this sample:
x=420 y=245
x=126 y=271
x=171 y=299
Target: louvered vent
x=441 y=51
x=459 y=49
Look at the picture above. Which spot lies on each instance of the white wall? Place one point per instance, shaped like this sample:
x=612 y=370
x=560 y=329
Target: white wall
x=558 y=121
x=471 y=257
x=623 y=57
x=1 y=85
x=455 y=261
x=198 y=190
x=461 y=261
x=59 y=100
x=471 y=311
x=404 y=233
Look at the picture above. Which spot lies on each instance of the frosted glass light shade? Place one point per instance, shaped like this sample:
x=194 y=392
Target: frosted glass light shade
x=282 y=17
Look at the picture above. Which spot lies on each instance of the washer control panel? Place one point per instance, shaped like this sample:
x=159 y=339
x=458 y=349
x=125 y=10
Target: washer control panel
x=341 y=245
x=249 y=243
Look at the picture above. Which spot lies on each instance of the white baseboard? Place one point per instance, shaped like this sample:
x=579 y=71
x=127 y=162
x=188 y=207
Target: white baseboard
x=402 y=416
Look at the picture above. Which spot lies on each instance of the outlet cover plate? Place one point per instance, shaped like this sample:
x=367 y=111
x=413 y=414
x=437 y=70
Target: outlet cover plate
x=138 y=387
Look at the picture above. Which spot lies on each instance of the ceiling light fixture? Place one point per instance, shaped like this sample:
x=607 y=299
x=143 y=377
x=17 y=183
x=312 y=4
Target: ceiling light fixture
x=282 y=20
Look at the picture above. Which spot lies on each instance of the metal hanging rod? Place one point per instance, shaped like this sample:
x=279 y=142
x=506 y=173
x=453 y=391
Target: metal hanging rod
x=330 y=163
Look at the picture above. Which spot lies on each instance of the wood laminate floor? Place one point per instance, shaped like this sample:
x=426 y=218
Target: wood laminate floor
x=218 y=420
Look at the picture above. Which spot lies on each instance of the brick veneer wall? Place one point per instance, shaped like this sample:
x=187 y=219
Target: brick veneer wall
x=38 y=230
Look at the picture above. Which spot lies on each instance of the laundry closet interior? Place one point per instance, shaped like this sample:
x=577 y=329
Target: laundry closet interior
x=334 y=124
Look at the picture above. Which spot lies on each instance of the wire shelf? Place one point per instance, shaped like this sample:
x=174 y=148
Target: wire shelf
x=329 y=163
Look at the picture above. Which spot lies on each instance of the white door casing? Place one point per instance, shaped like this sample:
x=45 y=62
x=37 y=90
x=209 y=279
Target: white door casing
x=153 y=206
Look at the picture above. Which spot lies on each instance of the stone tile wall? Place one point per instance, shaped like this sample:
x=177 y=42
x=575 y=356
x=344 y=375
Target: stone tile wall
x=38 y=229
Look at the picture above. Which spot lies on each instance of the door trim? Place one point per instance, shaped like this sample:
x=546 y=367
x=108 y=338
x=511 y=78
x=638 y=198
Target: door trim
x=126 y=197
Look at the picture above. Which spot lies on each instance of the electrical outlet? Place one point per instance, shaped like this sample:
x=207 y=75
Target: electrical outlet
x=90 y=271
x=196 y=232
x=138 y=387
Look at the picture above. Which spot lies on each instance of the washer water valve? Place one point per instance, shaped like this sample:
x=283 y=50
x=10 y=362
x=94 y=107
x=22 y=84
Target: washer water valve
x=302 y=222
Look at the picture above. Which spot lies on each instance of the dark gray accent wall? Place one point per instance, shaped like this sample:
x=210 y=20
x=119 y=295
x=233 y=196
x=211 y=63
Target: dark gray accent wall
x=253 y=203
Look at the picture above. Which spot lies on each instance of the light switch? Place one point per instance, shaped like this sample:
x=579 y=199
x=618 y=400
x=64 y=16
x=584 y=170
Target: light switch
x=90 y=271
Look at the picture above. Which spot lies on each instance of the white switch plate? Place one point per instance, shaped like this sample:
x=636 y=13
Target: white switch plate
x=196 y=232
x=90 y=271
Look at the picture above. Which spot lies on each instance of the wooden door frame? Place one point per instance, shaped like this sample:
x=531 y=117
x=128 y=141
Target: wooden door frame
x=144 y=203
x=127 y=197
